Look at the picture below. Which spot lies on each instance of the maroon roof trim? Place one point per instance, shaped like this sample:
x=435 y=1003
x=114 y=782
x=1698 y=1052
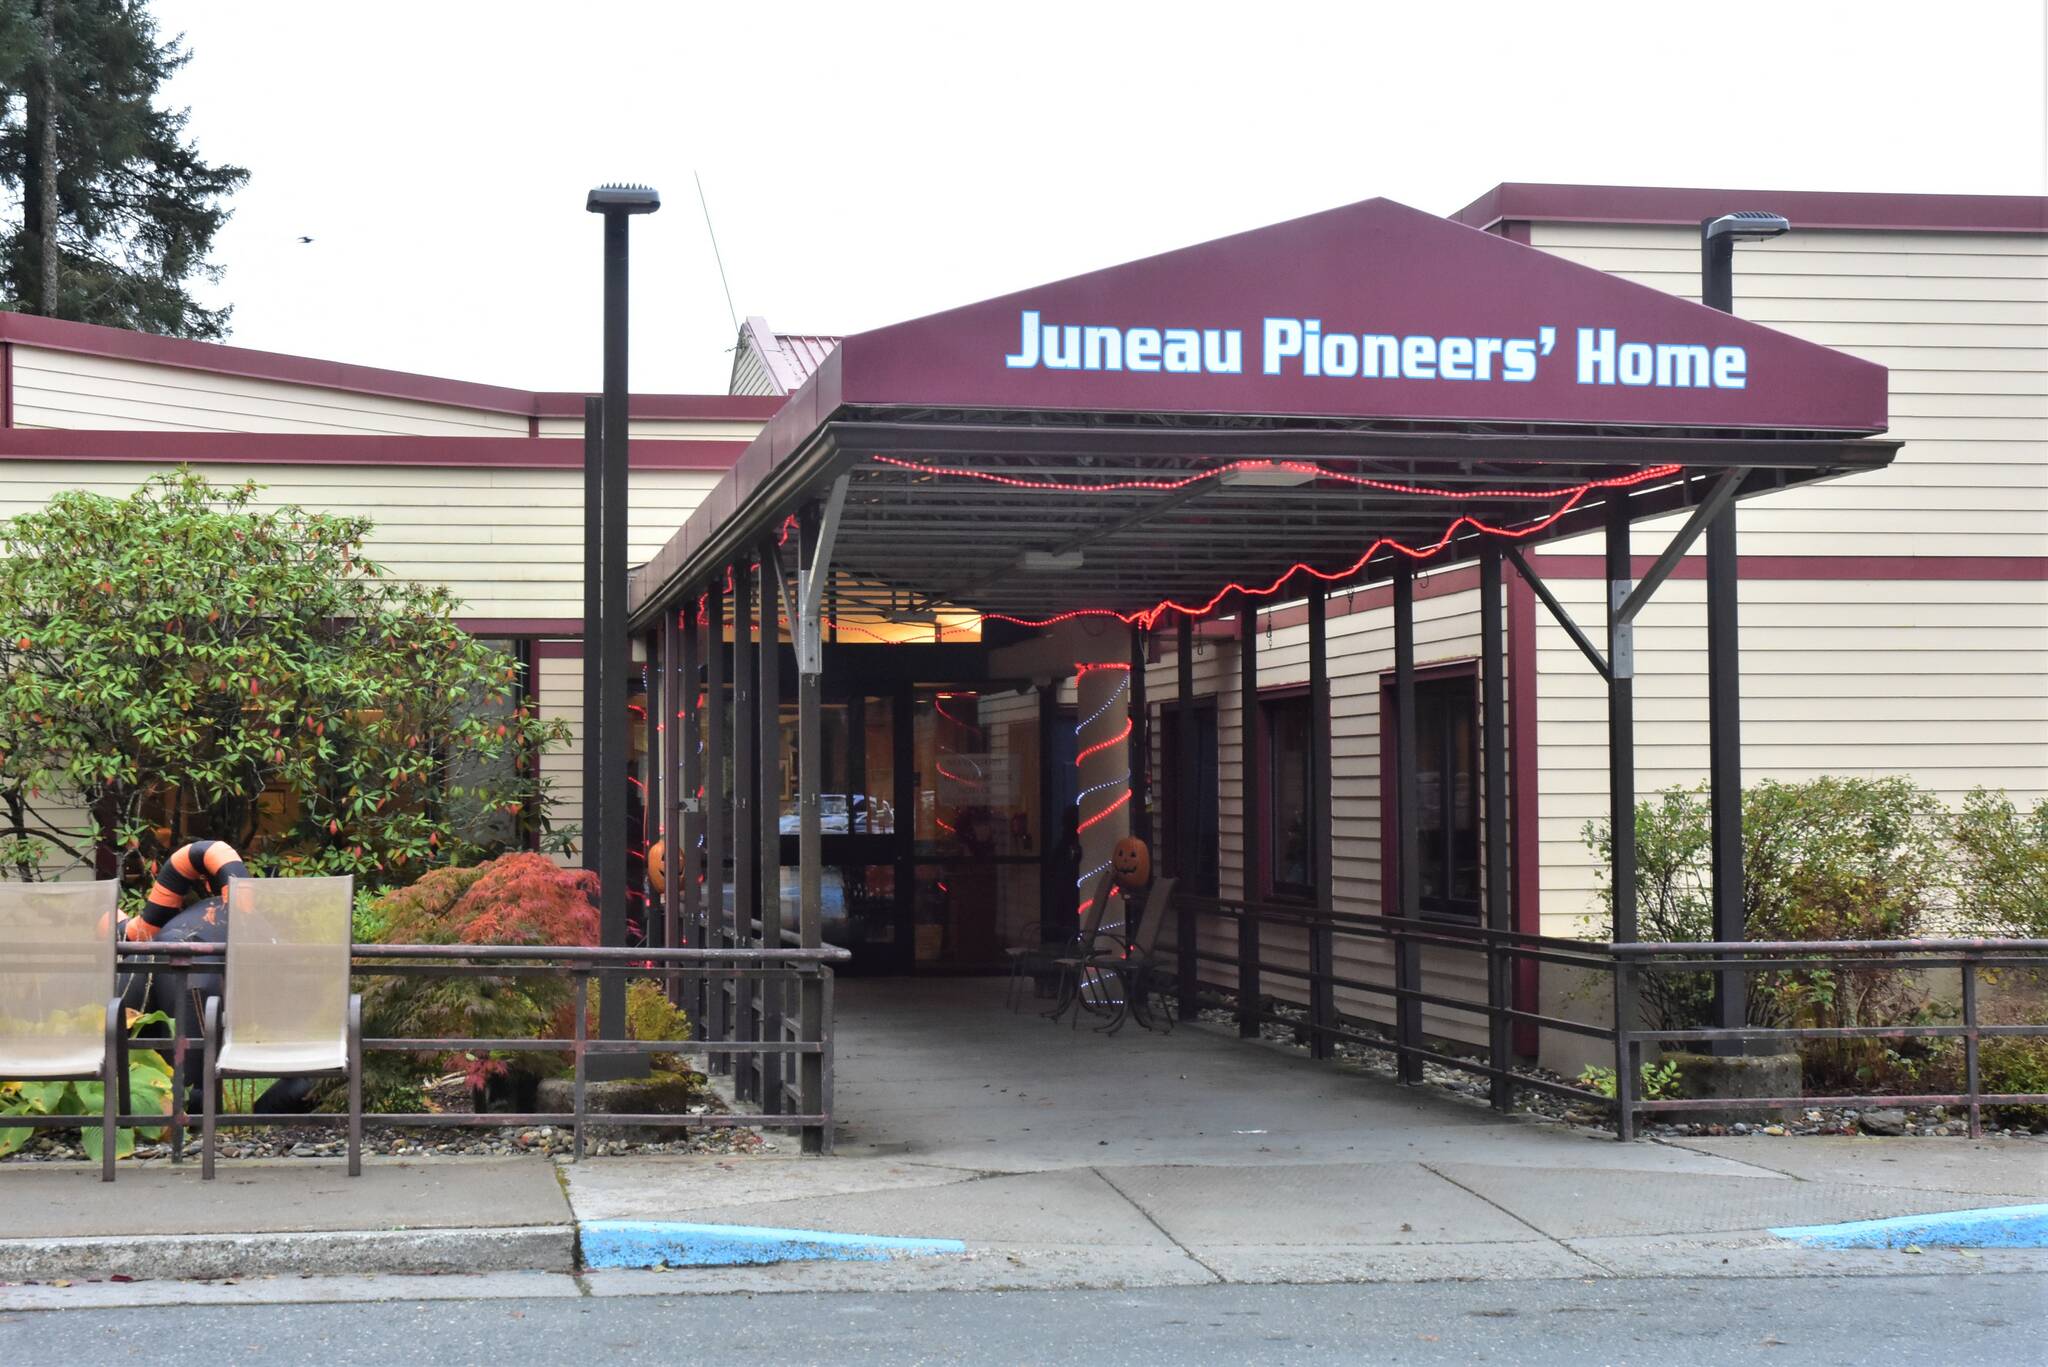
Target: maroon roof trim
x=88 y=339
x=284 y=448
x=1521 y=202
x=747 y=407
x=523 y=626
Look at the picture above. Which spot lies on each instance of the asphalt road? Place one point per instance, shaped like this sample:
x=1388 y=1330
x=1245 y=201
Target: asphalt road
x=1979 y=1319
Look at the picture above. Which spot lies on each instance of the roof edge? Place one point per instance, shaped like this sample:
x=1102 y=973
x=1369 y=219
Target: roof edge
x=217 y=358
x=1647 y=205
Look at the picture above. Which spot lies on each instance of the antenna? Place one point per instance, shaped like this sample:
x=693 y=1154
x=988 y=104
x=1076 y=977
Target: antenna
x=731 y=312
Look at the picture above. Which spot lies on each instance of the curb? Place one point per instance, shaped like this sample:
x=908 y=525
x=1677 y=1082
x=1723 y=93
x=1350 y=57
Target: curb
x=609 y=1244
x=515 y=1248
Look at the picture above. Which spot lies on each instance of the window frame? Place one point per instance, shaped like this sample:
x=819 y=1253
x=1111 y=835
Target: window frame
x=1190 y=881
x=1289 y=697
x=1463 y=672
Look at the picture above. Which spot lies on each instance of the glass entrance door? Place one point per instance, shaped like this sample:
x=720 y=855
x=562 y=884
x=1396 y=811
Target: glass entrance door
x=858 y=800
x=930 y=806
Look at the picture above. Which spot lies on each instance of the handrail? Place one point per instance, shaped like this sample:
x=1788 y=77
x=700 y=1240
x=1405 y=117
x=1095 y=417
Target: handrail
x=1625 y=964
x=792 y=1068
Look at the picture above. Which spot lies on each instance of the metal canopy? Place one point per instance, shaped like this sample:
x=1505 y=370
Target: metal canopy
x=1376 y=341
x=931 y=521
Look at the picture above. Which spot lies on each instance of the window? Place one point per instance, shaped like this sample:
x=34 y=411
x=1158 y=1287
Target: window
x=1197 y=873
x=1447 y=794
x=1290 y=797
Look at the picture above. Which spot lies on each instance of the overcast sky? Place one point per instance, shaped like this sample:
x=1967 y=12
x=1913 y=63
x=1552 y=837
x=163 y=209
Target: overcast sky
x=868 y=162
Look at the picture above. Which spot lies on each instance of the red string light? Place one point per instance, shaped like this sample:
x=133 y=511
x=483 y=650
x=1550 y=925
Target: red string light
x=1122 y=798
x=1297 y=467
x=1100 y=746
x=1148 y=618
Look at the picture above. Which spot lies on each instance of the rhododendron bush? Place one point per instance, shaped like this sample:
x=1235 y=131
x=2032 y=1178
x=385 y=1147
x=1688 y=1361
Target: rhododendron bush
x=191 y=662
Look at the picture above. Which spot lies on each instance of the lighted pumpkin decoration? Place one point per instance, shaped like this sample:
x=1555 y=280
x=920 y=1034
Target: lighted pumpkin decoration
x=657 y=866
x=1131 y=861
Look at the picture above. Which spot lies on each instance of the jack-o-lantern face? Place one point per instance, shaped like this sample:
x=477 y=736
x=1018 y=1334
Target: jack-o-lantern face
x=1132 y=862
x=657 y=866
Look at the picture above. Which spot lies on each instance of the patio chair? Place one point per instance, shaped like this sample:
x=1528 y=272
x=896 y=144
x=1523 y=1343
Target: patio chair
x=1055 y=940
x=288 y=1009
x=1134 y=962
x=60 y=1019
x=1066 y=960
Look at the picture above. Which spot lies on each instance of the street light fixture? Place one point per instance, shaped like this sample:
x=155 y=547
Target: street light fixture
x=606 y=660
x=1718 y=237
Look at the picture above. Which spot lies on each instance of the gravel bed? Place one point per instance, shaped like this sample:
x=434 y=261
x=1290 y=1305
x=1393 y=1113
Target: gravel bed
x=396 y=1141
x=1929 y=1121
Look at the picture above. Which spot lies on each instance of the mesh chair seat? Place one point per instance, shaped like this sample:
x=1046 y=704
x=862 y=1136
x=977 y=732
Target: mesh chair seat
x=285 y=1009
x=23 y=1059
x=282 y=1058
x=59 y=1013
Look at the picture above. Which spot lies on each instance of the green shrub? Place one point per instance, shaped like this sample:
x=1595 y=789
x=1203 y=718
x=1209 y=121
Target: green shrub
x=2015 y=1064
x=185 y=663
x=652 y=1018
x=1656 y=1081
x=1999 y=869
x=1828 y=859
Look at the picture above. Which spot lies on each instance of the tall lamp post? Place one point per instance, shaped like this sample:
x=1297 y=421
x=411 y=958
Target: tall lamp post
x=605 y=651
x=1718 y=237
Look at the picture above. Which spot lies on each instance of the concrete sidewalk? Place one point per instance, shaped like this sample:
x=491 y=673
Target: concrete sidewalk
x=283 y=1216
x=1696 y=1211
x=1060 y=1158
x=1701 y=1209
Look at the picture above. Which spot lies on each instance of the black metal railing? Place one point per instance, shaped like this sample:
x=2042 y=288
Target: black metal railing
x=804 y=977
x=1969 y=957
x=1407 y=985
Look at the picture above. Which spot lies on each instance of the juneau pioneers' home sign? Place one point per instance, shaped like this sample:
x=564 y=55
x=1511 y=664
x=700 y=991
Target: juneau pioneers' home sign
x=1372 y=311
x=1302 y=347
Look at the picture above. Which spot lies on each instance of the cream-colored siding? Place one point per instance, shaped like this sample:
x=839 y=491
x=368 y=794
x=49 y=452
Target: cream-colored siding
x=1961 y=320
x=1938 y=677
x=1361 y=650
x=69 y=389
x=749 y=375
x=558 y=686
x=1940 y=681
x=508 y=543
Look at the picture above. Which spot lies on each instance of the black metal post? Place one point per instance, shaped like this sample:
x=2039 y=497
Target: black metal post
x=1055 y=904
x=1621 y=720
x=1408 y=828
x=668 y=723
x=657 y=783
x=1187 y=823
x=1140 y=751
x=810 y=756
x=769 y=756
x=615 y=657
x=1322 y=948
x=1251 y=815
x=717 y=816
x=593 y=628
x=682 y=850
x=1494 y=784
x=746 y=830
x=1724 y=695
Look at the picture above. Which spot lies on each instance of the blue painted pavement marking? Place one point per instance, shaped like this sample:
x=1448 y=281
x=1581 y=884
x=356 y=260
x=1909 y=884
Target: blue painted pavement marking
x=1994 y=1227
x=668 y=1243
